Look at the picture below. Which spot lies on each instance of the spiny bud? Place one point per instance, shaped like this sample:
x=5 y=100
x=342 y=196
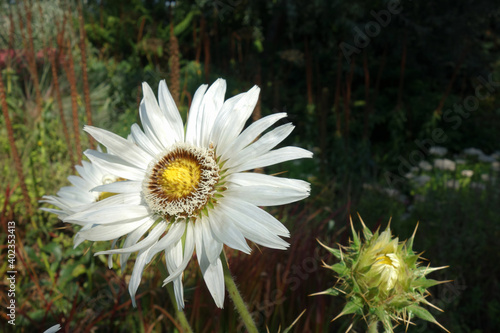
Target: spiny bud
x=382 y=280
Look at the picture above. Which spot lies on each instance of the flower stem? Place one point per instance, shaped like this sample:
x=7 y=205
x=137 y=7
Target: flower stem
x=372 y=326
x=170 y=289
x=178 y=313
x=236 y=298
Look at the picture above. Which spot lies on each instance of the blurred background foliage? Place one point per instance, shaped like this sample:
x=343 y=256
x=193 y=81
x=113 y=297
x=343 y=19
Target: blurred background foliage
x=370 y=85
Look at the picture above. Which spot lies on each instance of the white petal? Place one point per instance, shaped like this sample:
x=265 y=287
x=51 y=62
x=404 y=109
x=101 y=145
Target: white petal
x=53 y=329
x=254 y=230
x=128 y=186
x=173 y=235
x=212 y=248
x=224 y=231
x=250 y=133
x=133 y=238
x=254 y=179
x=143 y=141
x=212 y=271
x=261 y=146
x=135 y=279
x=225 y=120
x=127 y=199
x=211 y=105
x=173 y=258
x=158 y=124
x=115 y=165
x=147 y=242
x=109 y=232
x=188 y=253
x=259 y=216
x=261 y=195
x=167 y=105
x=193 y=127
x=120 y=146
x=110 y=257
x=108 y=215
x=232 y=118
x=274 y=157
x=77 y=181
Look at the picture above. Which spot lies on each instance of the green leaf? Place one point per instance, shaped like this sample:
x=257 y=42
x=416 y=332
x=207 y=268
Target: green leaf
x=384 y=318
x=79 y=270
x=335 y=252
x=179 y=28
x=341 y=269
x=411 y=260
x=331 y=291
x=372 y=292
x=425 y=283
x=421 y=313
x=355 y=237
x=367 y=233
x=351 y=307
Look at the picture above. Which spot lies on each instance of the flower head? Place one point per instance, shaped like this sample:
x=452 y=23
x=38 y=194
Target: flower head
x=382 y=279
x=188 y=187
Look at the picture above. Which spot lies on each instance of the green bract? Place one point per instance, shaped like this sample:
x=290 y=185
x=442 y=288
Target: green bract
x=382 y=280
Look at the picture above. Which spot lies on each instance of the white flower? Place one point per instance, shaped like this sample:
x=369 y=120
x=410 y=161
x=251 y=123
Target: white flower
x=53 y=329
x=444 y=164
x=467 y=173
x=486 y=158
x=77 y=198
x=424 y=165
x=422 y=180
x=473 y=151
x=187 y=187
x=439 y=151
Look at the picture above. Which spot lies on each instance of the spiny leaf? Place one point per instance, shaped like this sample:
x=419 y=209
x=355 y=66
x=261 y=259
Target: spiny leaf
x=411 y=260
x=350 y=307
x=426 y=283
x=340 y=268
x=409 y=243
x=329 y=291
x=422 y=313
x=355 y=238
x=335 y=252
x=384 y=318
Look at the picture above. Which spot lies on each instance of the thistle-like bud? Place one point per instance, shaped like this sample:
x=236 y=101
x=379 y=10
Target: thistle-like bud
x=382 y=280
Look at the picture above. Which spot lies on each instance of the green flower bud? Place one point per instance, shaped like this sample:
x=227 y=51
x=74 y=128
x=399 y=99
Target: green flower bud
x=382 y=280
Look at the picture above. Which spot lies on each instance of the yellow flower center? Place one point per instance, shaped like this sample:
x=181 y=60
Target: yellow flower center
x=108 y=179
x=384 y=260
x=181 y=181
x=387 y=266
x=180 y=178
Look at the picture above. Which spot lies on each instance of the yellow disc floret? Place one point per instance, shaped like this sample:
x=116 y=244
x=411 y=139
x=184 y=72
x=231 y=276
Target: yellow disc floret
x=180 y=178
x=181 y=181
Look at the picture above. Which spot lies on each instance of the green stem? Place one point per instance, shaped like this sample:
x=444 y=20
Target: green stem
x=170 y=289
x=236 y=297
x=372 y=326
